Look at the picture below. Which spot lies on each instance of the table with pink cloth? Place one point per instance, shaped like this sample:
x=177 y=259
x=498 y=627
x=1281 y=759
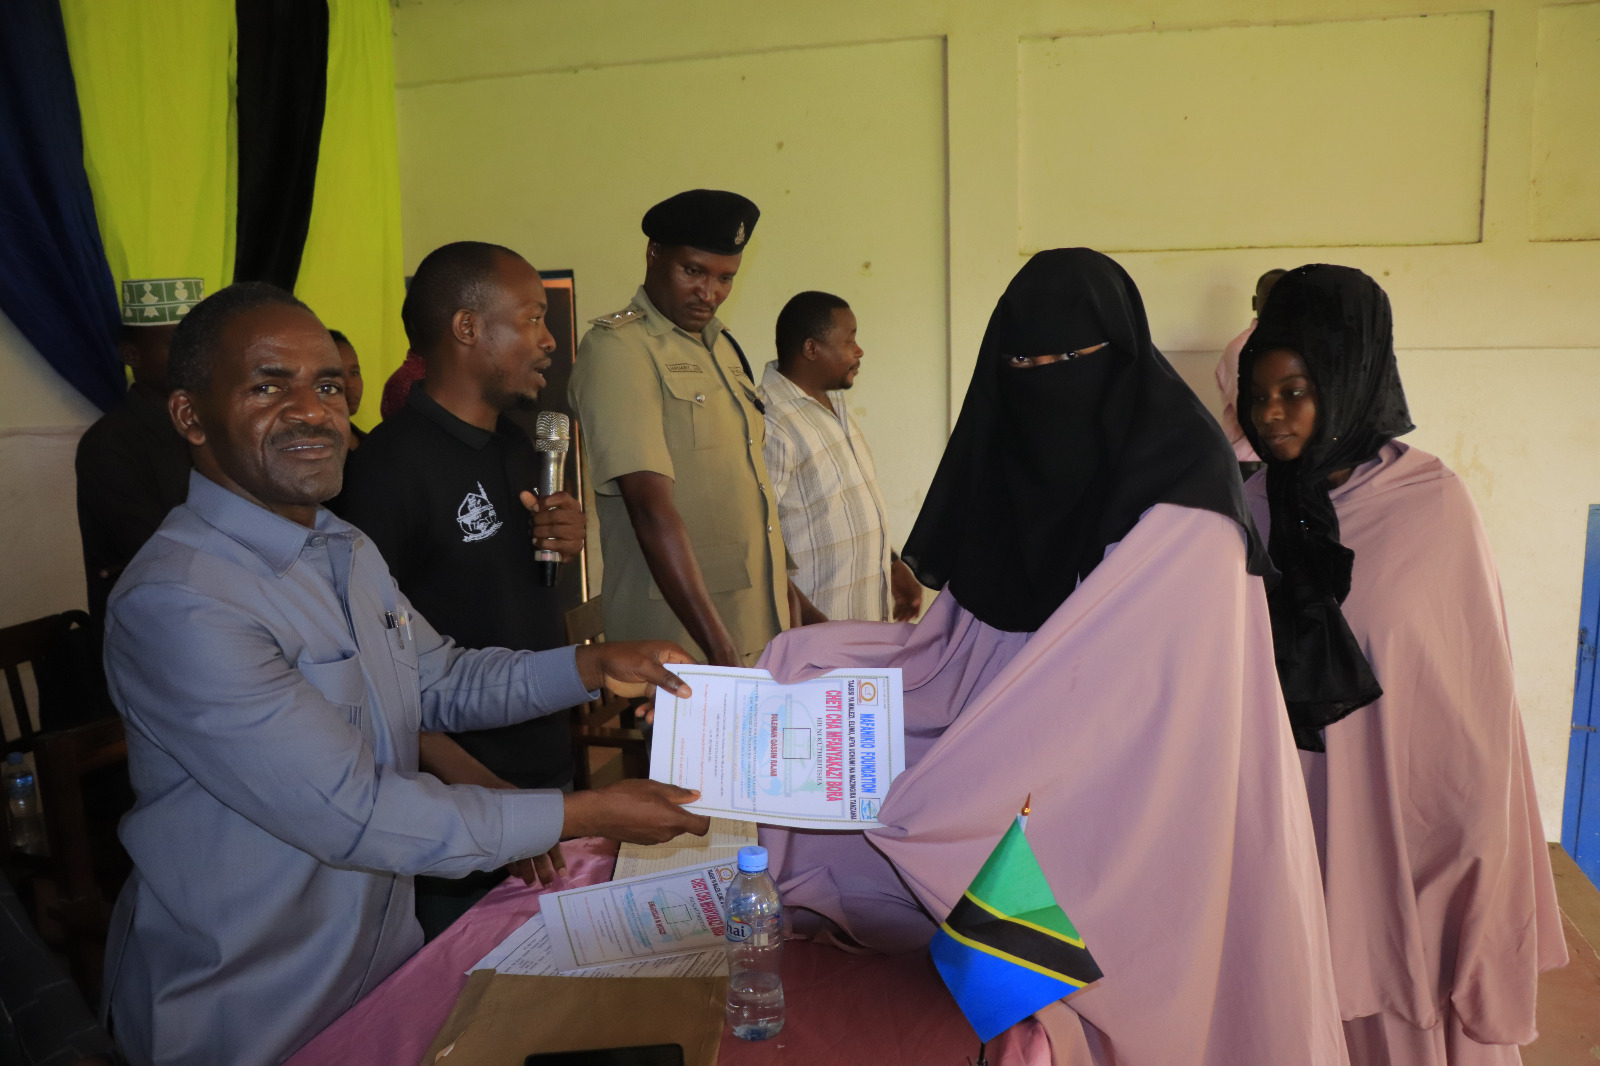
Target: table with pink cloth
x=842 y=1008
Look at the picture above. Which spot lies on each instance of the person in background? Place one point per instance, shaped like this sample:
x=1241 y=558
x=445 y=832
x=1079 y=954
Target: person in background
x=131 y=464
x=272 y=679
x=1396 y=669
x=395 y=390
x=445 y=489
x=1101 y=644
x=1228 y=377
x=353 y=385
x=834 y=522
x=672 y=422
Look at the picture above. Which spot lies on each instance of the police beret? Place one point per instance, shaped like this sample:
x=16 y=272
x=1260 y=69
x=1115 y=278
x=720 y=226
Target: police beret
x=709 y=219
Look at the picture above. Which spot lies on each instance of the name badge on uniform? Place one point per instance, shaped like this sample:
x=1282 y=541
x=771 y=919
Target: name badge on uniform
x=685 y=368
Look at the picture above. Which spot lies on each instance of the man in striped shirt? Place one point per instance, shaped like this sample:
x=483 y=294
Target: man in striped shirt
x=833 y=518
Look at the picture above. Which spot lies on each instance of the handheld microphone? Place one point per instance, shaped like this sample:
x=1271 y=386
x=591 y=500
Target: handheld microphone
x=552 y=436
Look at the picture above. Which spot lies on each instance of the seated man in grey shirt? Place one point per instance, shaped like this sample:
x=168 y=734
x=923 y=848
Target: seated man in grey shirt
x=273 y=681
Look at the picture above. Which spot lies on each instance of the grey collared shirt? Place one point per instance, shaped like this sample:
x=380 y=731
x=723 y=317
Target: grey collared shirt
x=272 y=713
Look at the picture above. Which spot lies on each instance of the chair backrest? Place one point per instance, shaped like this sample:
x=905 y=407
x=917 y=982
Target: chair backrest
x=63 y=651
x=19 y=644
x=608 y=721
x=64 y=760
x=85 y=791
x=586 y=622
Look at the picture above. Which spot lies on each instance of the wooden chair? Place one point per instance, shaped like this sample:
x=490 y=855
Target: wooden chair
x=65 y=657
x=20 y=644
x=83 y=783
x=608 y=721
x=81 y=775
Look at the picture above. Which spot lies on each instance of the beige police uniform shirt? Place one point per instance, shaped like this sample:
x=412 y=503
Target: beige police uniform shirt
x=651 y=396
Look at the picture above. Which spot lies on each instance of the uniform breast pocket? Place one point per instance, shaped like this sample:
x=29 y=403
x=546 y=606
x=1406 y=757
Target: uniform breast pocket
x=403 y=649
x=341 y=682
x=691 y=410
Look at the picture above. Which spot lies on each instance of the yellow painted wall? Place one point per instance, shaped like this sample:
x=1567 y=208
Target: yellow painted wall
x=1446 y=148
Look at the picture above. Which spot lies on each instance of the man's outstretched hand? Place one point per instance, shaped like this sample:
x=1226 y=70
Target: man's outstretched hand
x=620 y=664
x=633 y=811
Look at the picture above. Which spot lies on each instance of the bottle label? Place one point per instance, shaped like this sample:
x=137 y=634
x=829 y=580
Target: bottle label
x=738 y=931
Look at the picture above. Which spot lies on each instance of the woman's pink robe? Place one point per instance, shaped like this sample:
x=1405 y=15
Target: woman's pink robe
x=1441 y=907
x=1169 y=814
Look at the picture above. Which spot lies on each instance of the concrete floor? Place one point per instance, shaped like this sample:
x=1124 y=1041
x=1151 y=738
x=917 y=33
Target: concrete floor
x=1569 y=998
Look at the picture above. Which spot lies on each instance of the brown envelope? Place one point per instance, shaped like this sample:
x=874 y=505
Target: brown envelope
x=501 y=1019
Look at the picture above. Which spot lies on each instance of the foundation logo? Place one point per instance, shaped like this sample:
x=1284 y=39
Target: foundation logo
x=477 y=517
x=869 y=692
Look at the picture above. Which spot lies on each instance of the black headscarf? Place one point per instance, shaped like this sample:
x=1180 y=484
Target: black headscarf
x=1051 y=464
x=1337 y=320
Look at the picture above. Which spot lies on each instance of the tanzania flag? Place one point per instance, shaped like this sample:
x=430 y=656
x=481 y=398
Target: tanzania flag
x=1007 y=948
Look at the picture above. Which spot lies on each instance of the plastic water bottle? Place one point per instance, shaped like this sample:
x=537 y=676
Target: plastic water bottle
x=755 y=949
x=22 y=806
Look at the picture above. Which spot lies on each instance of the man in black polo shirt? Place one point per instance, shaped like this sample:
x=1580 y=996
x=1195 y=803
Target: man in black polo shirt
x=444 y=489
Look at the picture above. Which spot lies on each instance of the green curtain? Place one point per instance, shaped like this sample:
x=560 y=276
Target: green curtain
x=353 y=270
x=155 y=88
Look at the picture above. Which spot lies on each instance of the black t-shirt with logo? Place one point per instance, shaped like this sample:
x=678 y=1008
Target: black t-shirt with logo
x=439 y=497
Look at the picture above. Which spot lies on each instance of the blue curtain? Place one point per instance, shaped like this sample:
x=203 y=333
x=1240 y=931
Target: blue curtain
x=55 y=284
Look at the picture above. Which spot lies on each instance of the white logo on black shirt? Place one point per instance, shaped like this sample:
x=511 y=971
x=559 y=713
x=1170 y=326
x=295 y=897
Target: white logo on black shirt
x=477 y=517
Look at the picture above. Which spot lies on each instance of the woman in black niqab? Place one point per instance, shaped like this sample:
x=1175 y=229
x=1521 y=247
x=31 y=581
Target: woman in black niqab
x=1338 y=321
x=1054 y=460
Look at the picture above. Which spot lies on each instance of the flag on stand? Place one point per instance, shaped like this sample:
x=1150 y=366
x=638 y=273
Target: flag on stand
x=1008 y=948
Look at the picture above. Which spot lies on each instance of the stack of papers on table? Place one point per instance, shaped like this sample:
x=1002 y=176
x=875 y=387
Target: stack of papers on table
x=817 y=754
x=652 y=920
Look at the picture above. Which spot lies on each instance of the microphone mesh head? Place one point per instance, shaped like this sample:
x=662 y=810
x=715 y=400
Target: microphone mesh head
x=553 y=426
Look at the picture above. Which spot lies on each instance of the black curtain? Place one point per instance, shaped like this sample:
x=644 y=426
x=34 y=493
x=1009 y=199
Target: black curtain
x=55 y=284
x=282 y=89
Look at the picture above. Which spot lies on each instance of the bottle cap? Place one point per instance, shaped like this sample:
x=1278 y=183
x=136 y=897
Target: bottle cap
x=15 y=758
x=752 y=859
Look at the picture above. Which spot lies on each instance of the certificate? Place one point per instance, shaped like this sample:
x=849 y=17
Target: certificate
x=817 y=754
x=669 y=913
x=527 y=952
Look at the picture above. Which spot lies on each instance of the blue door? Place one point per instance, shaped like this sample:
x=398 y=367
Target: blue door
x=1580 y=819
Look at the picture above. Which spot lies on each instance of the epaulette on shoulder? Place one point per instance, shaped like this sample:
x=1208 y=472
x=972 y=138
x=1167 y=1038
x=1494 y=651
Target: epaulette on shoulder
x=618 y=318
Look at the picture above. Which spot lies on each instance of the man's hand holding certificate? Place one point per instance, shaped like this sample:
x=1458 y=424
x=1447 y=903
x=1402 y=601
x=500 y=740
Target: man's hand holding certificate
x=817 y=754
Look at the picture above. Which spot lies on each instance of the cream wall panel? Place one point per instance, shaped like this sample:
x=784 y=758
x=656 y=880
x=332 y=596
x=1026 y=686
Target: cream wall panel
x=848 y=172
x=1160 y=140
x=1566 y=125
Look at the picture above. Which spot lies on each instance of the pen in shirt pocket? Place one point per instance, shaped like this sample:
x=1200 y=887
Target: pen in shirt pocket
x=400 y=622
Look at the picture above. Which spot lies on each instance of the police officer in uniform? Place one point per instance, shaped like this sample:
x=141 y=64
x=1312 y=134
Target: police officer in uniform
x=674 y=430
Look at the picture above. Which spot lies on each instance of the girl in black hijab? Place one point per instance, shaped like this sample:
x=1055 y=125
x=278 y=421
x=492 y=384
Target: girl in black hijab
x=1074 y=426
x=1392 y=652
x=1337 y=321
